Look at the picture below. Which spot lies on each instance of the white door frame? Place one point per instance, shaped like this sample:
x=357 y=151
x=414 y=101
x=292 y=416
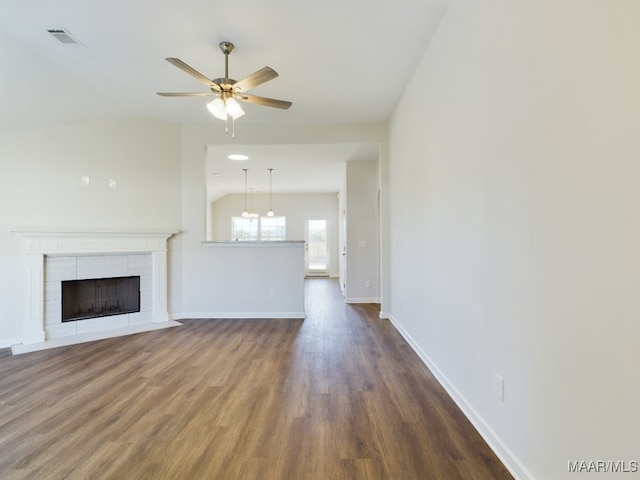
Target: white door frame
x=317 y=273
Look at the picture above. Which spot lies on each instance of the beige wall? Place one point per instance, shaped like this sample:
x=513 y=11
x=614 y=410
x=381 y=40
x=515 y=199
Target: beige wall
x=293 y=206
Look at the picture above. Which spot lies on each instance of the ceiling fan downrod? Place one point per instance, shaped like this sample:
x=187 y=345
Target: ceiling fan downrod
x=227 y=48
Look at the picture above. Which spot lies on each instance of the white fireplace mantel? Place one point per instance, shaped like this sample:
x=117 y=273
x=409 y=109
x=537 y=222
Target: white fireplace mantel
x=39 y=243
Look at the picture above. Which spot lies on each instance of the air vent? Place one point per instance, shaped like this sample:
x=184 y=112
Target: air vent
x=65 y=38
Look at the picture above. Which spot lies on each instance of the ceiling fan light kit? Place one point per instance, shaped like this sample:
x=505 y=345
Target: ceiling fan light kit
x=222 y=110
x=227 y=90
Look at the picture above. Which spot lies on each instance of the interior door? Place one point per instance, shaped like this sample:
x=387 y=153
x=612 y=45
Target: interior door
x=316 y=257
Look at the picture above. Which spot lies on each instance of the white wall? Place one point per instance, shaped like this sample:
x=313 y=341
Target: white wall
x=193 y=256
x=292 y=206
x=248 y=280
x=159 y=169
x=40 y=186
x=362 y=232
x=514 y=165
x=342 y=232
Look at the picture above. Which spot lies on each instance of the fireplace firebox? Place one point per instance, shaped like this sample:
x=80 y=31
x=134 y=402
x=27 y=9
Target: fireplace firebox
x=100 y=297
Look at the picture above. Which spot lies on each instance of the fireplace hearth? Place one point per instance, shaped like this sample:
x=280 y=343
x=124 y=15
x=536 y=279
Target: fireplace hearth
x=100 y=297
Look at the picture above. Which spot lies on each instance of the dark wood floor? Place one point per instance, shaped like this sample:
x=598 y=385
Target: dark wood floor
x=339 y=395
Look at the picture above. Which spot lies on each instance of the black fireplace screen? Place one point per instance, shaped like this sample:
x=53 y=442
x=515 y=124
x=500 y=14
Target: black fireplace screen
x=99 y=297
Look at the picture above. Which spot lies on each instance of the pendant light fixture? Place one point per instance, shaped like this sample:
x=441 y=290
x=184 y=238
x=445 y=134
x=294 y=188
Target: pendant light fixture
x=252 y=215
x=270 y=212
x=245 y=213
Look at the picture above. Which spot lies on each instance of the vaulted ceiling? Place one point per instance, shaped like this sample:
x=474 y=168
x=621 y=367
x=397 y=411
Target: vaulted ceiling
x=338 y=61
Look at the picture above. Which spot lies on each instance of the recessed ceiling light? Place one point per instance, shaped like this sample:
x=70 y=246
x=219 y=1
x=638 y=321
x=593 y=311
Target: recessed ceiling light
x=237 y=156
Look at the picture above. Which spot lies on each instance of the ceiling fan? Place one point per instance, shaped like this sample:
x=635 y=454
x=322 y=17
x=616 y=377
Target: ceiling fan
x=226 y=90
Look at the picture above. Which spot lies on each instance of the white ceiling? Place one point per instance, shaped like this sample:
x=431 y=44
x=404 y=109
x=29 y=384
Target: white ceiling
x=339 y=61
x=296 y=168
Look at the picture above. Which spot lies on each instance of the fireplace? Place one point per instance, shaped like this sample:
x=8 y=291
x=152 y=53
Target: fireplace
x=100 y=297
x=67 y=255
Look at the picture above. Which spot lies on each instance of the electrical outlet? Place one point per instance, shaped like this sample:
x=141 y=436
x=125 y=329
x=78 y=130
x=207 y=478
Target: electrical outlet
x=367 y=283
x=498 y=387
x=272 y=293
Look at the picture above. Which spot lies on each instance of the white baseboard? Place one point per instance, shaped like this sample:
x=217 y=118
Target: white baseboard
x=502 y=451
x=236 y=315
x=8 y=342
x=91 y=337
x=361 y=300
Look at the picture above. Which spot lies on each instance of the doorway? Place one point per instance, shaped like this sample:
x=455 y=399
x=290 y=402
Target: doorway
x=316 y=258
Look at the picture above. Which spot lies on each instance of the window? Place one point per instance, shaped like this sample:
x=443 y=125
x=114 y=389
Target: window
x=244 y=229
x=263 y=228
x=273 y=228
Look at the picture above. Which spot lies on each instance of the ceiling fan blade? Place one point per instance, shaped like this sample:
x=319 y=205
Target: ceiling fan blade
x=256 y=78
x=267 y=102
x=195 y=94
x=191 y=71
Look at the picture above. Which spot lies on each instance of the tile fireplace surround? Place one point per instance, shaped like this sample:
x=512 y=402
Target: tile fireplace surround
x=54 y=255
